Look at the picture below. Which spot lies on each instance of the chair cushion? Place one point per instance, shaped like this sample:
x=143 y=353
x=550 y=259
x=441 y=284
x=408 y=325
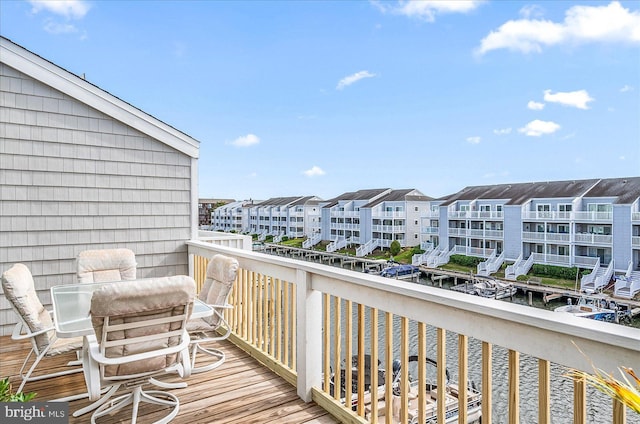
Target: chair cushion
x=221 y=274
x=134 y=301
x=18 y=286
x=104 y=265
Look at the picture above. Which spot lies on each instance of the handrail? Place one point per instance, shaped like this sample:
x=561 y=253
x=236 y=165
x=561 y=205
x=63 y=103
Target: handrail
x=539 y=333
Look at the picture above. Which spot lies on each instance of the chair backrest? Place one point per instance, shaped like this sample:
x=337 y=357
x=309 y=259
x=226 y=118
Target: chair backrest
x=221 y=274
x=18 y=286
x=105 y=265
x=135 y=317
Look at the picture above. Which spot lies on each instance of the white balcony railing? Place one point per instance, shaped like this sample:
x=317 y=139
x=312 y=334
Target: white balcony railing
x=290 y=315
x=586 y=238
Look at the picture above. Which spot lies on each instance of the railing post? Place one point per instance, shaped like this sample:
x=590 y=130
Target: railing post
x=308 y=336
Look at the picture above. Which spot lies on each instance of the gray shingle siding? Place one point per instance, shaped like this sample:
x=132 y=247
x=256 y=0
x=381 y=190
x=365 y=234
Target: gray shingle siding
x=73 y=178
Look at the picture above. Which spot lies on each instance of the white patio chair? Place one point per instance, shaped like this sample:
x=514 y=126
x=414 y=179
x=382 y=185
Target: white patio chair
x=140 y=333
x=105 y=265
x=35 y=324
x=221 y=274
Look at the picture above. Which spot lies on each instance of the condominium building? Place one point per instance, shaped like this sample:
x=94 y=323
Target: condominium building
x=592 y=224
x=206 y=206
x=231 y=217
x=285 y=216
x=373 y=218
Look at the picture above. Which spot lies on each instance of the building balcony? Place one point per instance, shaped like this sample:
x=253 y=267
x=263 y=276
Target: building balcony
x=547 y=216
x=345 y=214
x=544 y=237
x=486 y=215
x=388 y=214
x=635 y=216
x=430 y=230
x=593 y=239
x=635 y=242
x=391 y=229
x=290 y=316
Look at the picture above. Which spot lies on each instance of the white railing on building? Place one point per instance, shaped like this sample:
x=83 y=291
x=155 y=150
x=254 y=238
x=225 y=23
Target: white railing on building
x=312 y=241
x=593 y=216
x=588 y=281
x=510 y=270
x=311 y=340
x=368 y=247
x=589 y=238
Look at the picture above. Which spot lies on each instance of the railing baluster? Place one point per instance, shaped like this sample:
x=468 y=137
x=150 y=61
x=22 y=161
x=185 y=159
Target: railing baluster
x=442 y=376
x=619 y=412
x=273 y=340
x=361 y=362
x=293 y=327
x=259 y=314
x=337 y=378
x=487 y=369
x=544 y=398
x=404 y=368
x=373 y=325
x=463 y=377
x=326 y=341
x=254 y=308
x=388 y=393
x=422 y=371
x=245 y=303
x=579 y=401
x=514 y=387
x=287 y=305
x=348 y=346
x=279 y=319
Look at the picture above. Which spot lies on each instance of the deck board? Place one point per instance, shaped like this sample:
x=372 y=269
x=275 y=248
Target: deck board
x=240 y=391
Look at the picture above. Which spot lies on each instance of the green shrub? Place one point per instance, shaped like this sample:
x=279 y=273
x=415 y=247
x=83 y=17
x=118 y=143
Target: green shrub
x=470 y=261
x=522 y=277
x=7 y=395
x=554 y=271
x=395 y=248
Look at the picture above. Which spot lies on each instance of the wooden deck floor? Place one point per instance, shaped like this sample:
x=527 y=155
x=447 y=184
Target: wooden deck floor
x=240 y=391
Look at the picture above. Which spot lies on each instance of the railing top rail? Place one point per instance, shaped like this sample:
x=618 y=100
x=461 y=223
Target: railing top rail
x=540 y=333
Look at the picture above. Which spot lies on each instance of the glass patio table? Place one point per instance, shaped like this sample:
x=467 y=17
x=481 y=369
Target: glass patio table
x=72 y=302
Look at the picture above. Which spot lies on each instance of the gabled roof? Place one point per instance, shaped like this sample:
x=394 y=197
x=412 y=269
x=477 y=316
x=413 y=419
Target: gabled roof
x=286 y=201
x=366 y=194
x=72 y=85
x=399 y=195
x=625 y=190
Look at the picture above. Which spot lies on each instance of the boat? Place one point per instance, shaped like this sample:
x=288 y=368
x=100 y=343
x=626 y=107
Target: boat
x=593 y=306
x=494 y=289
x=488 y=287
x=401 y=272
x=474 y=396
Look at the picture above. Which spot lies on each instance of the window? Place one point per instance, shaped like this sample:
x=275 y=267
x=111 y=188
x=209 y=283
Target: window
x=485 y=208
x=564 y=207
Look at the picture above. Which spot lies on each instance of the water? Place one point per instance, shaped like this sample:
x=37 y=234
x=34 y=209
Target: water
x=599 y=406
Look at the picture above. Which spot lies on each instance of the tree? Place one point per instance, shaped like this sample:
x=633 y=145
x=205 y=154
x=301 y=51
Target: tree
x=395 y=247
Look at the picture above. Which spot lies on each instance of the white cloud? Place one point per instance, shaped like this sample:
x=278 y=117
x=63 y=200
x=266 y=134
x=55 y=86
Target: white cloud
x=53 y=27
x=314 y=171
x=582 y=24
x=246 y=141
x=474 y=140
x=530 y=11
x=502 y=131
x=428 y=9
x=536 y=128
x=253 y=175
x=75 y=9
x=622 y=158
x=346 y=81
x=577 y=99
x=626 y=88
x=535 y=105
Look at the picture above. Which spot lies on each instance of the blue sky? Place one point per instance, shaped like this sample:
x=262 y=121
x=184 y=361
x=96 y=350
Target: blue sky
x=297 y=98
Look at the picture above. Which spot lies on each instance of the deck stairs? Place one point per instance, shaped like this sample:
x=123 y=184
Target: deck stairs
x=420 y=258
x=598 y=278
x=278 y=238
x=312 y=241
x=520 y=267
x=491 y=265
x=628 y=285
x=263 y=236
x=441 y=258
x=368 y=247
x=338 y=244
